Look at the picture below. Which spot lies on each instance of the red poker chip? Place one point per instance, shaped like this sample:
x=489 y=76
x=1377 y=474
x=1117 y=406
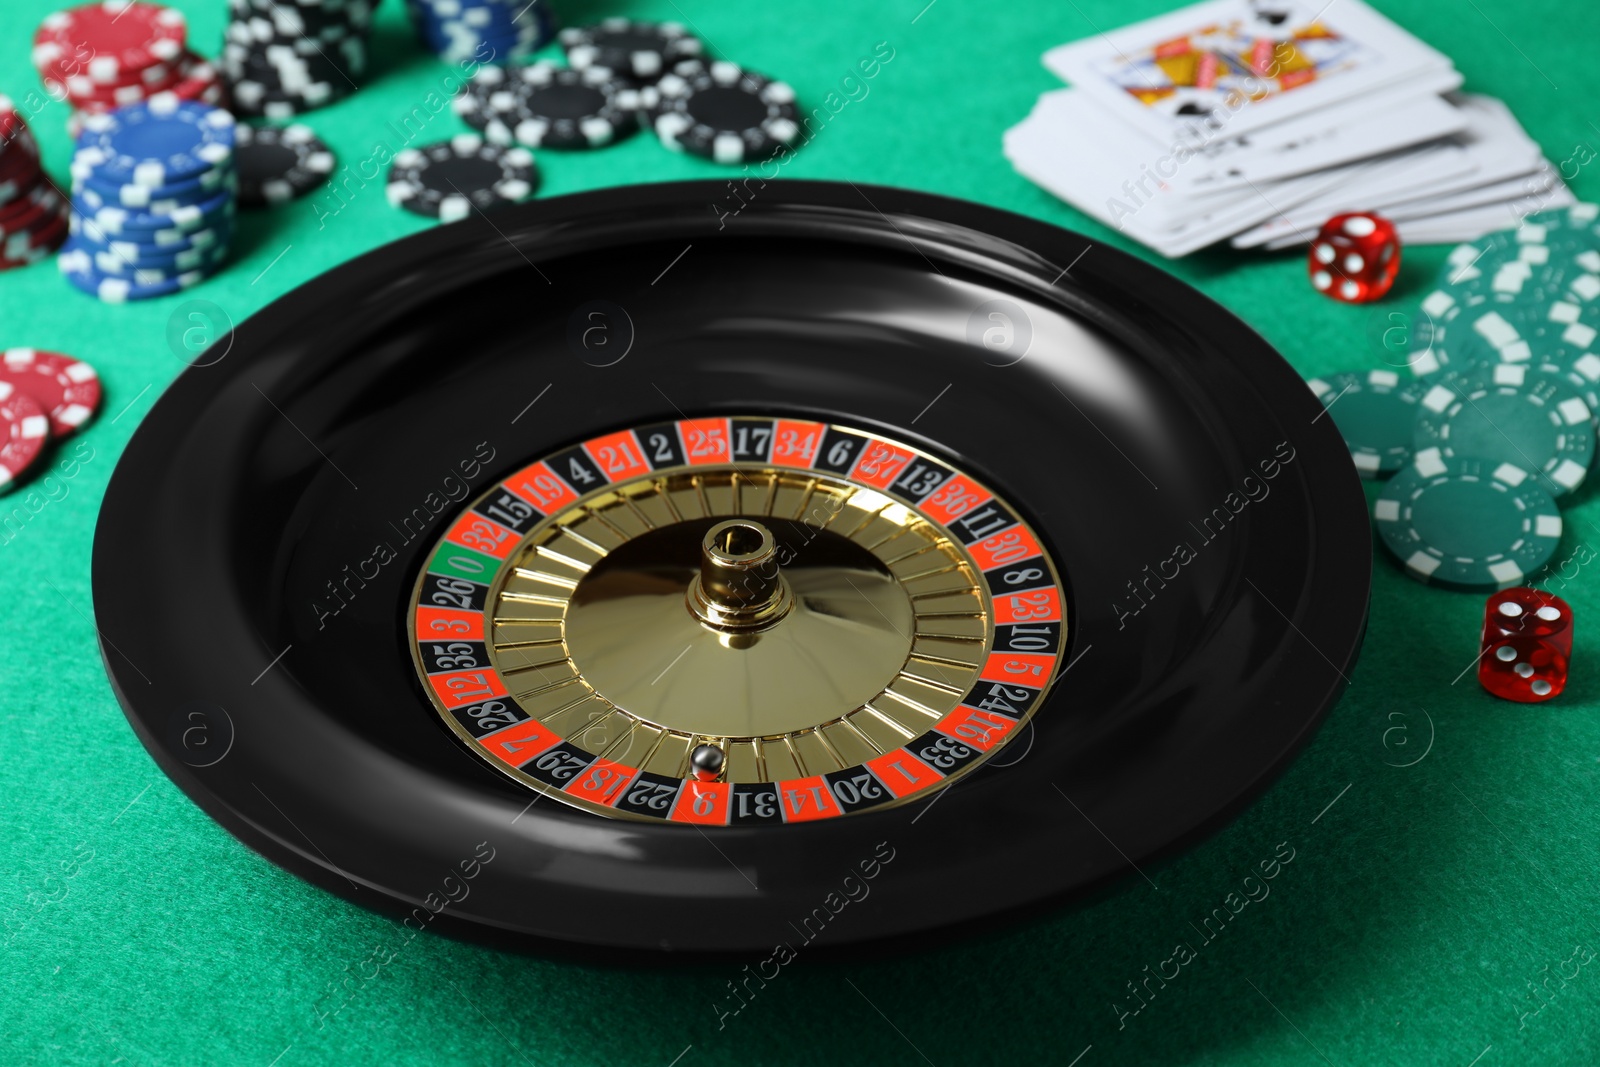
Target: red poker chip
x=66 y=388
x=81 y=91
x=81 y=84
x=28 y=207
x=29 y=246
x=108 y=41
x=195 y=77
x=11 y=121
x=19 y=173
x=19 y=154
x=24 y=430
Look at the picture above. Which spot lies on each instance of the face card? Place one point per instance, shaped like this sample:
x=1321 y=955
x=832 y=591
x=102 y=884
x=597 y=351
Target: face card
x=1238 y=65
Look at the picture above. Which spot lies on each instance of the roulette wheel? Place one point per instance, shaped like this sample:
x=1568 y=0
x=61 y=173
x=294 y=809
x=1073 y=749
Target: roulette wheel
x=611 y=576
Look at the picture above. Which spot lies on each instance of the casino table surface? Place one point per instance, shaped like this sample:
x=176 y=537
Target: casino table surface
x=1443 y=842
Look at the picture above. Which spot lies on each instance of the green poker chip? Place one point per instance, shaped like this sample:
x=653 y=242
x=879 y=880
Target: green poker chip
x=1498 y=319
x=1572 y=230
x=1583 y=374
x=1472 y=267
x=1467 y=523
x=1375 y=412
x=1504 y=414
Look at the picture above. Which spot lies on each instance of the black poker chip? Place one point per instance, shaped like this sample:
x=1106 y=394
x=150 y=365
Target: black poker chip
x=322 y=22
x=447 y=179
x=283 y=57
x=276 y=164
x=544 y=105
x=489 y=91
x=640 y=50
x=722 y=112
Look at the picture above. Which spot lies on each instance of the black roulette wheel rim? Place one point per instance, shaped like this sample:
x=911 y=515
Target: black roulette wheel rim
x=1141 y=414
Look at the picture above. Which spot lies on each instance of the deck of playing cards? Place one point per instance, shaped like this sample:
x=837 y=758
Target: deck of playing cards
x=1253 y=121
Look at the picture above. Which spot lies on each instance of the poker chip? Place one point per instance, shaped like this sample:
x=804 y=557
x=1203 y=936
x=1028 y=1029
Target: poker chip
x=1374 y=412
x=325 y=22
x=446 y=180
x=640 y=50
x=722 y=112
x=33 y=244
x=544 y=105
x=1462 y=323
x=1568 y=230
x=120 y=38
x=29 y=207
x=483 y=31
x=24 y=429
x=155 y=193
x=68 y=390
x=276 y=164
x=155 y=142
x=281 y=58
x=96 y=195
x=1467 y=523
x=116 y=289
x=104 y=56
x=1506 y=415
x=148 y=247
x=183 y=218
x=488 y=91
x=1582 y=374
x=33 y=215
x=76 y=259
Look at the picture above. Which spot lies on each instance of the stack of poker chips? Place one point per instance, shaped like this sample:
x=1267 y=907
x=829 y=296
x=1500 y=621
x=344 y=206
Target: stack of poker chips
x=493 y=32
x=1493 y=431
x=33 y=215
x=102 y=56
x=284 y=57
x=154 y=192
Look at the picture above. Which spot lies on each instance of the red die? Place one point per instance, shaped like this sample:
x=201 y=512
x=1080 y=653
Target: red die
x=1527 y=645
x=1355 y=257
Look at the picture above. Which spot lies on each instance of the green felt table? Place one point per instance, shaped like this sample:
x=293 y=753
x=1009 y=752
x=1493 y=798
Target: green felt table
x=1423 y=903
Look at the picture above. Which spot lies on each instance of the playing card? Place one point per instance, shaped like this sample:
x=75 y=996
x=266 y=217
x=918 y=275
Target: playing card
x=1238 y=65
x=1073 y=149
x=1408 y=173
x=1493 y=147
x=1324 y=138
x=1535 y=183
x=1126 y=183
x=1456 y=226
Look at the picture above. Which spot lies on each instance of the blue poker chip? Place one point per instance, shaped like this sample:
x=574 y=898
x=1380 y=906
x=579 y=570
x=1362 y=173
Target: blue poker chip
x=98 y=192
x=164 y=201
x=504 y=31
x=1467 y=523
x=75 y=257
x=155 y=143
x=83 y=275
x=116 y=221
x=152 y=244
